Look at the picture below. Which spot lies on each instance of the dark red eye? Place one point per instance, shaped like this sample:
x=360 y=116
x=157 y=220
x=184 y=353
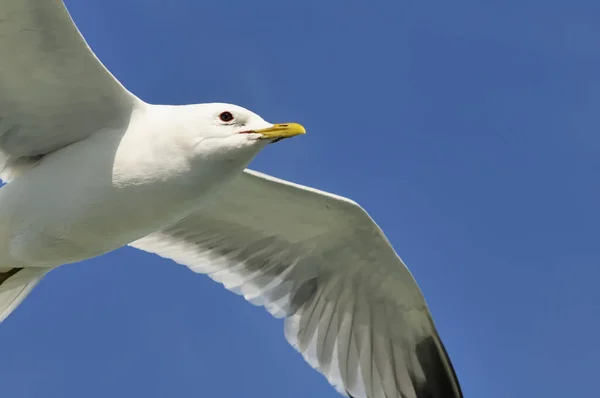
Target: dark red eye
x=226 y=116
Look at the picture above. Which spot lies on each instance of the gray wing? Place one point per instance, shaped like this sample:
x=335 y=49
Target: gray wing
x=352 y=307
x=53 y=89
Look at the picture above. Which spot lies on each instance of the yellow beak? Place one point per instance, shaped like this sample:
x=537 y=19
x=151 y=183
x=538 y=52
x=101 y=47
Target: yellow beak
x=280 y=131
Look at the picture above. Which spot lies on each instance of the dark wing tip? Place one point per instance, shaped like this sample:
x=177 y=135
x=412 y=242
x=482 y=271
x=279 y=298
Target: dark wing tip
x=5 y=275
x=440 y=378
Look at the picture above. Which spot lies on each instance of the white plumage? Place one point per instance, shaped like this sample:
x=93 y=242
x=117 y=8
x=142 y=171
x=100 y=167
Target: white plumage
x=93 y=168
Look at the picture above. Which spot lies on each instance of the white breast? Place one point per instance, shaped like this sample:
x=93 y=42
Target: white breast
x=100 y=194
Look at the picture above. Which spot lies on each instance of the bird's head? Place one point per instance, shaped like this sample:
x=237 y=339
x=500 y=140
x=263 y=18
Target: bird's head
x=226 y=128
x=211 y=141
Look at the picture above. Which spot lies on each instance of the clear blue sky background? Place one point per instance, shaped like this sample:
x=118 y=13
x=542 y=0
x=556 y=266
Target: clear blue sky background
x=468 y=129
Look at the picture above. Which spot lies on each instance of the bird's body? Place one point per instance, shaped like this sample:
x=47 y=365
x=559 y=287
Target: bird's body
x=116 y=186
x=90 y=168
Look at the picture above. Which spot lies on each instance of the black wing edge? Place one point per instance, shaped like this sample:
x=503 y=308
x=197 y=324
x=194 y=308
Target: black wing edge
x=5 y=275
x=440 y=377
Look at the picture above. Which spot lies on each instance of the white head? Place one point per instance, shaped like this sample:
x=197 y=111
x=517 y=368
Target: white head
x=219 y=128
x=199 y=146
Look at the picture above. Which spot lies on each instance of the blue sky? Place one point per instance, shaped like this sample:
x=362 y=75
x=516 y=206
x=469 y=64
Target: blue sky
x=469 y=131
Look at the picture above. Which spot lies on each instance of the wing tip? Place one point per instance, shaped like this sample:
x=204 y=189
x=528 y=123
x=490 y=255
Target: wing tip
x=440 y=377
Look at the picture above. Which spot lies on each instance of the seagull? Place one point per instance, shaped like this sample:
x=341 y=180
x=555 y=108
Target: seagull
x=88 y=167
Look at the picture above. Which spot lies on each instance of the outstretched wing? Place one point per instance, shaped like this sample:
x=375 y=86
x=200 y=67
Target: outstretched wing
x=53 y=89
x=352 y=307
